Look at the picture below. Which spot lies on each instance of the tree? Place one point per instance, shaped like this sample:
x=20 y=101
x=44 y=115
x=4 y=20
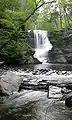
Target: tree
x=57 y=15
x=15 y=16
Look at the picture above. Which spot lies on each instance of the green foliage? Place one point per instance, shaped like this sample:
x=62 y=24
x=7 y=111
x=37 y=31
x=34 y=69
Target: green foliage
x=56 y=16
x=9 y=4
x=13 y=49
x=6 y=24
x=13 y=34
x=14 y=53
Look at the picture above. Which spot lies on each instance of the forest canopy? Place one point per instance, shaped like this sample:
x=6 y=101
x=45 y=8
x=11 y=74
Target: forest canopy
x=46 y=14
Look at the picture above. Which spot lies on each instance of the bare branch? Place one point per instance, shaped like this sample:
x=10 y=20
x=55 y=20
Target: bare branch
x=39 y=1
x=37 y=9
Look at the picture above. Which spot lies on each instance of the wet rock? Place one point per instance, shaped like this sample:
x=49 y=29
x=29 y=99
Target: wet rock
x=20 y=88
x=62 y=46
x=43 y=81
x=36 y=72
x=36 y=61
x=1 y=63
x=65 y=91
x=39 y=86
x=9 y=83
x=43 y=71
x=40 y=71
x=69 y=86
x=50 y=72
x=56 y=55
x=67 y=96
x=68 y=101
x=3 y=92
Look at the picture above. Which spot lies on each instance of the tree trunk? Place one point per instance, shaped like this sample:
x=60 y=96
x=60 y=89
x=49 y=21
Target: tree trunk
x=60 y=20
x=66 y=16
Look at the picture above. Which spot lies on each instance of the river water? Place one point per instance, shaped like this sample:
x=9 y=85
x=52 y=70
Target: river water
x=34 y=105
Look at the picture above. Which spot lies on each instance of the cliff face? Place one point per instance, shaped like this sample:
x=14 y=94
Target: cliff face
x=62 y=47
x=30 y=39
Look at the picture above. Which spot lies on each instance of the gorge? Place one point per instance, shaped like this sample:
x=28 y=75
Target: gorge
x=34 y=104
x=35 y=59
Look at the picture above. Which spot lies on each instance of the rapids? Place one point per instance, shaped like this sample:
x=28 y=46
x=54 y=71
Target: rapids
x=34 y=105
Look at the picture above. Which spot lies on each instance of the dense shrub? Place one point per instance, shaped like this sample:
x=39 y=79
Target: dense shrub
x=13 y=47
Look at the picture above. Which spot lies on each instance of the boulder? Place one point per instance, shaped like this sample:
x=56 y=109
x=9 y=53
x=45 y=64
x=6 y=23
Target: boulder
x=36 y=61
x=56 y=55
x=9 y=83
x=1 y=63
x=68 y=100
x=3 y=92
x=61 y=40
x=67 y=96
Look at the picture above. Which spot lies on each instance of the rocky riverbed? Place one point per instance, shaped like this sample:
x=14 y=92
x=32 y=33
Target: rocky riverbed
x=34 y=104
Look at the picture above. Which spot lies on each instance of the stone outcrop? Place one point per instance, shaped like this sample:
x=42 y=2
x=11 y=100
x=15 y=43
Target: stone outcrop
x=67 y=94
x=30 y=60
x=56 y=55
x=9 y=83
x=68 y=101
x=3 y=92
x=62 y=46
x=36 y=61
x=30 y=39
x=31 y=42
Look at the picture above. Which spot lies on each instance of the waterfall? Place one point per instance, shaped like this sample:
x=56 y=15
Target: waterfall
x=42 y=45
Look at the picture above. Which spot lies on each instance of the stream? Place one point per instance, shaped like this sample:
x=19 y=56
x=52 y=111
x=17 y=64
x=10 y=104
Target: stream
x=34 y=105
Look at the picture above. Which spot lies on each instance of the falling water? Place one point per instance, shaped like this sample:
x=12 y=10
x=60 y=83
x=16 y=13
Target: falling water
x=42 y=45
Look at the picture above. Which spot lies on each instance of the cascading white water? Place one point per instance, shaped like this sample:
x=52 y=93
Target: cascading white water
x=42 y=45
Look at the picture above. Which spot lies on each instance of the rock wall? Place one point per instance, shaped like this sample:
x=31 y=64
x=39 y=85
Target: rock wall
x=30 y=39
x=62 y=46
